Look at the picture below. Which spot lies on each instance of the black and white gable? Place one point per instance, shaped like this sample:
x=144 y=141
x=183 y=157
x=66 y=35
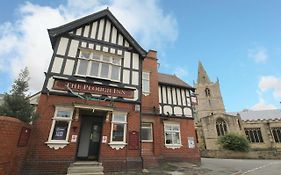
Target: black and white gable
x=95 y=49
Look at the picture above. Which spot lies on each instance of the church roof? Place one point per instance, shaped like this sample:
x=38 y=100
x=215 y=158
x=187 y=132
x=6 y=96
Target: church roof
x=172 y=80
x=261 y=114
x=54 y=33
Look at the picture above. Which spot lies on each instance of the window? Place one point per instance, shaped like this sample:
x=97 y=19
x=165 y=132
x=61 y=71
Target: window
x=172 y=135
x=276 y=134
x=207 y=92
x=118 y=127
x=146 y=132
x=59 y=132
x=92 y=64
x=145 y=82
x=221 y=127
x=254 y=135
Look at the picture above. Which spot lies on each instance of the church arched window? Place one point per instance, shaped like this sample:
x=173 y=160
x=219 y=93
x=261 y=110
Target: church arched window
x=221 y=127
x=207 y=92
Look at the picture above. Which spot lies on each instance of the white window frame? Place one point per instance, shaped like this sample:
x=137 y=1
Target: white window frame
x=100 y=62
x=118 y=144
x=151 y=131
x=56 y=144
x=172 y=145
x=147 y=80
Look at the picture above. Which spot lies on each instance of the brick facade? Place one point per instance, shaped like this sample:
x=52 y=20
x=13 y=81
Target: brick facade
x=12 y=154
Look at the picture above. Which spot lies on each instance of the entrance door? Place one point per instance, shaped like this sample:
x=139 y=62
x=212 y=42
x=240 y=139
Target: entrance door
x=90 y=136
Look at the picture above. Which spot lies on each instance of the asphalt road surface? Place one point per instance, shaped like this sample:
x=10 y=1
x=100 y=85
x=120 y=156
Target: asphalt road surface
x=241 y=166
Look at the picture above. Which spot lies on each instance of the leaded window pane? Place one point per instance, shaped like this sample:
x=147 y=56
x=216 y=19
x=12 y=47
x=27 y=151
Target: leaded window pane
x=82 y=69
x=104 y=70
x=115 y=71
x=94 y=69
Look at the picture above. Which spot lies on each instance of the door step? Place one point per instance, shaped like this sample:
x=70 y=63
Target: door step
x=85 y=168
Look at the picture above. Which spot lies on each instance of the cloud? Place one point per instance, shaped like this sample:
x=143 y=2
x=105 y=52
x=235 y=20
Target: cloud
x=271 y=83
x=261 y=105
x=25 y=42
x=259 y=55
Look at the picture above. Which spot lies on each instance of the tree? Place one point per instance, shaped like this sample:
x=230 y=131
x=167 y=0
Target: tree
x=16 y=103
x=234 y=142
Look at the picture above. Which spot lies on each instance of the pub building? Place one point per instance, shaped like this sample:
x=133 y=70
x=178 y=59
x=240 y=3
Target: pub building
x=104 y=104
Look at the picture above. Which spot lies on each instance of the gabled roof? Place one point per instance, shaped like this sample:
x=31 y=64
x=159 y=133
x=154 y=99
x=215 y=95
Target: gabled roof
x=261 y=114
x=54 y=33
x=172 y=80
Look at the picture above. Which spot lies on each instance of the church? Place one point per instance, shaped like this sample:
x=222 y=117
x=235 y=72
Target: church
x=261 y=128
x=104 y=107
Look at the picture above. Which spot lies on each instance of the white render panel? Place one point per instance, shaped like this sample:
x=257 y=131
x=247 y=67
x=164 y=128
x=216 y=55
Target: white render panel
x=164 y=96
x=127 y=59
x=135 y=77
x=187 y=112
x=135 y=61
x=114 y=35
x=120 y=40
x=68 y=67
x=112 y=50
x=188 y=101
x=136 y=94
x=167 y=109
x=169 y=95
x=98 y=47
x=126 y=76
x=79 y=31
x=73 y=48
x=86 y=31
x=160 y=109
x=174 y=96
x=179 y=96
x=187 y=93
x=183 y=97
x=57 y=65
x=62 y=46
x=159 y=94
x=91 y=46
x=107 y=31
x=101 y=26
x=119 y=52
x=94 y=30
x=126 y=43
x=84 y=44
x=105 y=49
x=178 y=111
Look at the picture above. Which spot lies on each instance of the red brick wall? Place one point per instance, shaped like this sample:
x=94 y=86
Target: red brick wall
x=160 y=152
x=11 y=155
x=43 y=159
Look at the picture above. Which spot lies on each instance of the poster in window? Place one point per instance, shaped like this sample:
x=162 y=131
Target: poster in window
x=59 y=133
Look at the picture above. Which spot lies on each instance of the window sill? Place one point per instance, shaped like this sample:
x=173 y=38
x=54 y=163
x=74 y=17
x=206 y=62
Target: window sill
x=173 y=146
x=147 y=141
x=117 y=145
x=57 y=144
x=145 y=93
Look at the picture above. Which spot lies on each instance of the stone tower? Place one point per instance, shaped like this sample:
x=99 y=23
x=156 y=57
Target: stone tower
x=208 y=95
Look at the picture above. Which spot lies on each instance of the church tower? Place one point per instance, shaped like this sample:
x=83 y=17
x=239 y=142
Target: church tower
x=208 y=95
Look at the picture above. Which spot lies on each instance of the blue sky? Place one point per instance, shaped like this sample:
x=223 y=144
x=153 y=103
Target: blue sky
x=238 y=41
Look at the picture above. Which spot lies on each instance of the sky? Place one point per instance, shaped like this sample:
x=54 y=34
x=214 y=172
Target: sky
x=238 y=41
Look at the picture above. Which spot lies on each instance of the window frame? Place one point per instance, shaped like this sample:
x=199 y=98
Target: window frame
x=146 y=91
x=276 y=134
x=90 y=60
x=118 y=122
x=254 y=135
x=172 y=145
x=221 y=127
x=54 y=143
x=151 y=131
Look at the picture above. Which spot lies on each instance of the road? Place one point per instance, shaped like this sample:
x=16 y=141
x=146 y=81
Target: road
x=241 y=166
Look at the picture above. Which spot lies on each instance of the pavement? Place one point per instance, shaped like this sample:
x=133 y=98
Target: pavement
x=212 y=166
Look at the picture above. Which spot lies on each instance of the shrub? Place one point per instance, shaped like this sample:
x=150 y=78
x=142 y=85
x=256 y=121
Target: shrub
x=234 y=142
